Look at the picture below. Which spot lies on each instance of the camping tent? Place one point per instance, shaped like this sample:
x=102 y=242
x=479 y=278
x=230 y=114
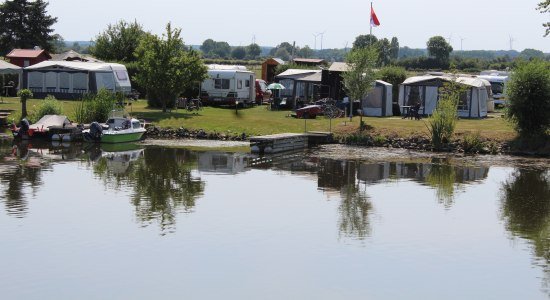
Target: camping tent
x=378 y=102
x=71 y=79
x=7 y=68
x=426 y=91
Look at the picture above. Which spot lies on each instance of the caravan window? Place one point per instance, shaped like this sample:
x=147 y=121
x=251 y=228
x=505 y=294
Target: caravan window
x=247 y=83
x=221 y=84
x=239 y=84
x=463 y=103
x=121 y=75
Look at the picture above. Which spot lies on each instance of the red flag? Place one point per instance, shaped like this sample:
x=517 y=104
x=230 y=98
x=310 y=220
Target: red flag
x=373 y=18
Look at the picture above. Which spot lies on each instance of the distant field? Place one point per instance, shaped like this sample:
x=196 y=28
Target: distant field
x=258 y=120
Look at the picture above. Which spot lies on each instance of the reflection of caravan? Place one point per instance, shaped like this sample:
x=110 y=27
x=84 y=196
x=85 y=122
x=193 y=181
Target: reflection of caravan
x=498 y=81
x=72 y=79
x=227 y=84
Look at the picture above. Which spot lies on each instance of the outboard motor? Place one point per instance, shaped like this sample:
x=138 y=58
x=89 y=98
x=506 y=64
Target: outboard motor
x=95 y=131
x=23 y=127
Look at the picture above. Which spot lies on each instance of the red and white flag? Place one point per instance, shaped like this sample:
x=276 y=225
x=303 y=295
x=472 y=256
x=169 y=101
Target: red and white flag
x=373 y=18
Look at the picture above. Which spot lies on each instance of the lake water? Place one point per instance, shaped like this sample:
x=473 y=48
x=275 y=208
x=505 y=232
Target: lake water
x=151 y=222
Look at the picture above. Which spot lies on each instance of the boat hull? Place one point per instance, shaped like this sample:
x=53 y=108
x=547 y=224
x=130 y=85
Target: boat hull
x=117 y=137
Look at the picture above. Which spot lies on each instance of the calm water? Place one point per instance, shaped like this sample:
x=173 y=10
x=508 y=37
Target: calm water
x=165 y=223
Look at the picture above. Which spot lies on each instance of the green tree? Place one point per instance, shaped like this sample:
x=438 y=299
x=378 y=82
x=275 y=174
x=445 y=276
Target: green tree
x=208 y=47
x=395 y=76
x=26 y=24
x=529 y=98
x=305 y=52
x=166 y=67
x=222 y=50
x=384 y=51
x=238 y=52
x=532 y=53
x=284 y=45
x=359 y=79
x=118 y=42
x=283 y=54
x=253 y=51
x=394 y=48
x=439 y=48
x=24 y=95
x=544 y=7
x=364 y=41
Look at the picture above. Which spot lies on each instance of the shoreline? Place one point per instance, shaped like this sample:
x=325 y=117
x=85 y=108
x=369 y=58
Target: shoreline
x=475 y=146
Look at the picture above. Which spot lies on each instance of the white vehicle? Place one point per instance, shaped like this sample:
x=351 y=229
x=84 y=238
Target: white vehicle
x=498 y=81
x=228 y=84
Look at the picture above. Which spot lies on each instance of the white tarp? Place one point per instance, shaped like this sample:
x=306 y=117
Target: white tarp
x=50 y=120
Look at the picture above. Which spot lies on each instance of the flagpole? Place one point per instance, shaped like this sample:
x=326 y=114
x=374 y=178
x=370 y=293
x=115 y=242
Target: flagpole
x=370 y=23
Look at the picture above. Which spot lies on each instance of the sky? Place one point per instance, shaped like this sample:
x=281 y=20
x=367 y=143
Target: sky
x=478 y=24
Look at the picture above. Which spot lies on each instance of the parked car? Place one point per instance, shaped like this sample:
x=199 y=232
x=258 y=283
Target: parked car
x=262 y=93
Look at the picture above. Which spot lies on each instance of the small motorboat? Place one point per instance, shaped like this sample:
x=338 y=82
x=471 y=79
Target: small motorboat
x=41 y=129
x=118 y=129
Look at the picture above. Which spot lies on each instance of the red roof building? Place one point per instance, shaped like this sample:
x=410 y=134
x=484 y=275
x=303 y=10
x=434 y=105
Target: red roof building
x=27 y=57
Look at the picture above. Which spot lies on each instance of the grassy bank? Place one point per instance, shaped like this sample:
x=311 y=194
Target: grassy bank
x=258 y=121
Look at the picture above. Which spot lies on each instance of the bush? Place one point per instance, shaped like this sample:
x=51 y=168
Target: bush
x=395 y=76
x=49 y=106
x=472 y=143
x=529 y=98
x=442 y=124
x=97 y=107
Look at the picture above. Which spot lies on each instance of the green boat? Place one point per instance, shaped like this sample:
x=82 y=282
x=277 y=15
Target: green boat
x=116 y=130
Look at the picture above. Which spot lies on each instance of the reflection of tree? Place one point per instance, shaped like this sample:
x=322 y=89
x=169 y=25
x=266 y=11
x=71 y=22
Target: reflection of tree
x=526 y=210
x=354 y=207
x=442 y=176
x=164 y=184
x=15 y=176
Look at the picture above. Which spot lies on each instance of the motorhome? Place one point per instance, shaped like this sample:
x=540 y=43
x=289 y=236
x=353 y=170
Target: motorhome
x=72 y=79
x=228 y=85
x=498 y=80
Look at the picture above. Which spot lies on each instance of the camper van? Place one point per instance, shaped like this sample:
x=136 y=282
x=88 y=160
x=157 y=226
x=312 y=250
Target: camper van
x=72 y=79
x=227 y=85
x=498 y=80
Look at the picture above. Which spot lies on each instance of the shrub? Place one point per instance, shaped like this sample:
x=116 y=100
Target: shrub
x=529 y=98
x=442 y=123
x=97 y=107
x=472 y=142
x=395 y=76
x=50 y=106
x=24 y=95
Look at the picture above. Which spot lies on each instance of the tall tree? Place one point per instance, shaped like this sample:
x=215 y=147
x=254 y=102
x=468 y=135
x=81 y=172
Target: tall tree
x=364 y=41
x=359 y=79
x=394 y=48
x=305 y=52
x=118 y=42
x=544 y=7
x=25 y=24
x=238 y=52
x=384 y=51
x=222 y=49
x=166 y=67
x=253 y=51
x=439 y=48
x=208 y=47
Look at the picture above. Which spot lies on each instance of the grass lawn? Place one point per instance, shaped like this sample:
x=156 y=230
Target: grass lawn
x=258 y=120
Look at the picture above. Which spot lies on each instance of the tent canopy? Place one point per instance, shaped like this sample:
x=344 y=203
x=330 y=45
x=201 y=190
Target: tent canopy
x=7 y=68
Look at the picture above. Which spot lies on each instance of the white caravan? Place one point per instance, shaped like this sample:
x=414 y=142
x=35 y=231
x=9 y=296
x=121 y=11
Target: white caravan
x=498 y=80
x=227 y=85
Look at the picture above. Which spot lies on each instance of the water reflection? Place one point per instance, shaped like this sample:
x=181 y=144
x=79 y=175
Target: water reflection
x=526 y=212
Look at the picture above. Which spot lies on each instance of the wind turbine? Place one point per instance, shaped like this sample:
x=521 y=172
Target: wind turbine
x=322 y=34
x=315 y=45
x=461 y=40
x=512 y=40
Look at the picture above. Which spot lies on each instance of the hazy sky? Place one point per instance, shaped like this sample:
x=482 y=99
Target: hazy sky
x=483 y=24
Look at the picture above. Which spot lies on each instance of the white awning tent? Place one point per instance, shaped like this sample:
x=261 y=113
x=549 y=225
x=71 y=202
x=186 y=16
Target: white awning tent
x=426 y=90
x=7 y=68
x=378 y=102
x=62 y=78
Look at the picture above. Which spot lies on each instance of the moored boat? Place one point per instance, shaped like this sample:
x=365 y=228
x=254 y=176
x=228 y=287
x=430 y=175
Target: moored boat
x=118 y=129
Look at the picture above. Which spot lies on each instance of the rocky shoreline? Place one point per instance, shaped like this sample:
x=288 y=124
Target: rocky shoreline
x=474 y=145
